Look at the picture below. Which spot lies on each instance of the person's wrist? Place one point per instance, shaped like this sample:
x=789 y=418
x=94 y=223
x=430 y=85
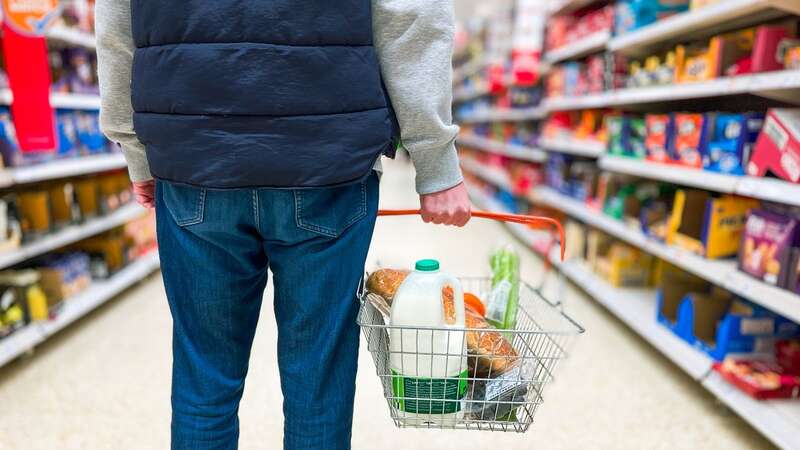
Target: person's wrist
x=437 y=170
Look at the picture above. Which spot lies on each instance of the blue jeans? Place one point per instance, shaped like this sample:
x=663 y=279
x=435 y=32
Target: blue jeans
x=215 y=247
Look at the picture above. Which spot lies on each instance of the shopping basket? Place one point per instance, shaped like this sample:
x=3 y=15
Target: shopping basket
x=501 y=395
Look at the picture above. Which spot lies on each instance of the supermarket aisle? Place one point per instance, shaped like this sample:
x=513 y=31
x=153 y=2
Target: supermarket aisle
x=104 y=383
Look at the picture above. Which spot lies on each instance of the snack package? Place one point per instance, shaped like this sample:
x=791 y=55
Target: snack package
x=731 y=142
x=503 y=300
x=760 y=379
x=497 y=399
x=691 y=134
x=777 y=149
x=766 y=246
x=659 y=135
x=491 y=354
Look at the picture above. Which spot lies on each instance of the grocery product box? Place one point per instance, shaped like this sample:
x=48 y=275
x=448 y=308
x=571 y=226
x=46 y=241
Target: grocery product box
x=777 y=149
x=630 y=15
x=698 y=62
x=618 y=263
x=767 y=245
x=731 y=141
x=659 y=135
x=626 y=136
x=714 y=233
x=64 y=275
x=761 y=379
x=692 y=131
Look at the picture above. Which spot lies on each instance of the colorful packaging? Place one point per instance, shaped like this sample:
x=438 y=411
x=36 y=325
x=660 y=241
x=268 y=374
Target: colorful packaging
x=659 y=133
x=631 y=15
x=766 y=56
x=691 y=134
x=777 y=148
x=9 y=146
x=731 y=142
x=714 y=234
x=766 y=248
x=67 y=133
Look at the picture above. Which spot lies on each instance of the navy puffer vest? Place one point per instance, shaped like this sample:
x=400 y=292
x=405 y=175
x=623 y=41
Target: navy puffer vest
x=258 y=93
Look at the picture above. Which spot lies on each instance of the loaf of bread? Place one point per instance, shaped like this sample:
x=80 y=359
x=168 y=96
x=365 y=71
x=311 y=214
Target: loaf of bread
x=490 y=353
x=385 y=282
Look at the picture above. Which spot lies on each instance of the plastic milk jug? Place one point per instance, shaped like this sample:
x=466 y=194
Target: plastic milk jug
x=429 y=366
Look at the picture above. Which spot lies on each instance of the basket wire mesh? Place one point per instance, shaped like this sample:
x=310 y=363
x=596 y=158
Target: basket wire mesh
x=499 y=391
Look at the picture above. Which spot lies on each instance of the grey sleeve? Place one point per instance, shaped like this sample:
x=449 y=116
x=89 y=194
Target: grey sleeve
x=414 y=41
x=114 y=64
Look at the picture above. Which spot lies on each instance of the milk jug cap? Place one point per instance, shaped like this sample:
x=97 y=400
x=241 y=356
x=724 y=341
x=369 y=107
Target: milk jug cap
x=427 y=265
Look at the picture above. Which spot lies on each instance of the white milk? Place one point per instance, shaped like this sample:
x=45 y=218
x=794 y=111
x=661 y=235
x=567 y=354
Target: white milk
x=429 y=367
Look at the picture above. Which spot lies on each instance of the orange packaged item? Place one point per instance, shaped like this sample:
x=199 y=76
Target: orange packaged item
x=34 y=211
x=384 y=282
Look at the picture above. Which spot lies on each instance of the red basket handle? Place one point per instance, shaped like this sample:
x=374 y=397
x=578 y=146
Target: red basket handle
x=531 y=221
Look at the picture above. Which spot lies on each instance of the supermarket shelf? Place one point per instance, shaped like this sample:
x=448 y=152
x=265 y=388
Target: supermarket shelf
x=491 y=175
x=60 y=100
x=71 y=36
x=61 y=168
x=564 y=6
x=769 y=189
x=466 y=94
x=722 y=273
x=501 y=148
x=578 y=147
x=593 y=43
x=700 y=23
x=779 y=85
x=778 y=420
x=468 y=69
x=76 y=307
x=70 y=234
x=505 y=115
x=684 y=176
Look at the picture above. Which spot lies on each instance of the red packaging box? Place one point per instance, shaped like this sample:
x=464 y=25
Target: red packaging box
x=691 y=134
x=765 y=48
x=760 y=379
x=777 y=148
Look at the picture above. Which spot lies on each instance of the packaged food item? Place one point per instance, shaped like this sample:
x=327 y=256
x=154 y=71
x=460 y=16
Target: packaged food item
x=429 y=371
x=64 y=275
x=384 y=282
x=768 y=38
x=491 y=354
x=62 y=198
x=498 y=398
x=87 y=193
x=34 y=209
x=503 y=301
x=731 y=142
x=631 y=15
x=21 y=300
x=766 y=246
x=777 y=149
x=659 y=134
x=707 y=225
x=760 y=379
x=787 y=353
x=691 y=134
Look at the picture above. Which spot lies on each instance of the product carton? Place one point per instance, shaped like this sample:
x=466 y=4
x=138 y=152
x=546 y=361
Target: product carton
x=777 y=148
x=618 y=263
x=731 y=142
x=716 y=232
x=766 y=248
x=768 y=38
x=691 y=136
x=660 y=131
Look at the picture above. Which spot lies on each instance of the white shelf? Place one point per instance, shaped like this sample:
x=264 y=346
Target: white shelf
x=61 y=168
x=778 y=420
x=491 y=175
x=572 y=146
x=769 y=189
x=685 y=176
x=512 y=151
x=465 y=94
x=505 y=115
x=97 y=293
x=722 y=273
x=700 y=23
x=70 y=234
x=71 y=36
x=60 y=100
x=780 y=85
x=592 y=43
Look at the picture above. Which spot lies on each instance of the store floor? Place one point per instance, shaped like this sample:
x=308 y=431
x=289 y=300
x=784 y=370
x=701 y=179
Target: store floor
x=104 y=382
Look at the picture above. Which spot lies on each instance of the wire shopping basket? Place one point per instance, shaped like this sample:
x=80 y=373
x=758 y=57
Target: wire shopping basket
x=507 y=370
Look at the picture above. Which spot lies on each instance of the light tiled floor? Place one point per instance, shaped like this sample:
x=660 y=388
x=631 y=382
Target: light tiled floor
x=104 y=382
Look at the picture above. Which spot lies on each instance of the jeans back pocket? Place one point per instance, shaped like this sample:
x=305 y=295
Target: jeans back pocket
x=330 y=211
x=186 y=204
